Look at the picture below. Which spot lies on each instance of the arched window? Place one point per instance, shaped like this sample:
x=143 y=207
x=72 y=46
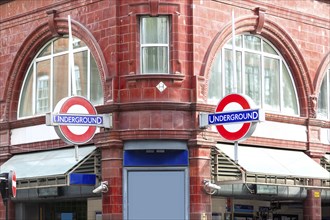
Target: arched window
x=261 y=73
x=48 y=78
x=323 y=108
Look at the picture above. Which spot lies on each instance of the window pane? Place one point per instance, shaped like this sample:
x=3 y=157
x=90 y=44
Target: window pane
x=238 y=41
x=46 y=51
x=81 y=65
x=215 y=82
x=289 y=95
x=43 y=87
x=154 y=30
x=60 y=78
x=229 y=74
x=323 y=100
x=253 y=77
x=252 y=42
x=268 y=49
x=96 y=86
x=77 y=43
x=27 y=96
x=272 y=84
x=154 y=60
x=61 y=45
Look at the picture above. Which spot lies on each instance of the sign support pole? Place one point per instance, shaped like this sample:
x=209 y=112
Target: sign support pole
x=236 y=151
x=76 y=154
x=7 y=208
x=234 y=52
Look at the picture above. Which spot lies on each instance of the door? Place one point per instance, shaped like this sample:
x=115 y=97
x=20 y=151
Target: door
x=156 y=194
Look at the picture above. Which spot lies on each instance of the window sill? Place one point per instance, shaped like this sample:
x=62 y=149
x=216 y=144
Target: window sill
x=176 y=78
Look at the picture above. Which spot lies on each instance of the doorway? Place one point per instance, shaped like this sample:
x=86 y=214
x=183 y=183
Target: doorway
x=155 y=194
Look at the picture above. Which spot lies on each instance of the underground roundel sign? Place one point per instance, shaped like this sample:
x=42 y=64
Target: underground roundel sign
x=12 y=183
x=75 y=120
x=236 y=117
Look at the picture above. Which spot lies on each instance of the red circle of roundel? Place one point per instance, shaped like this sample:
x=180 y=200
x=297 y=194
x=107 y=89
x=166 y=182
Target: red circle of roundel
x=74 y=138
x=13 y=184
x=233 y=136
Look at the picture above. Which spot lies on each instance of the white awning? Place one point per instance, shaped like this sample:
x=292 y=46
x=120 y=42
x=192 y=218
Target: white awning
x=285 y=163
x=45 y=163
x=327 y=157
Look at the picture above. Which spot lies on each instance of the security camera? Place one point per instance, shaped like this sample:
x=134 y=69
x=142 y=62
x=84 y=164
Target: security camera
x=103 y=187
x=210 y=188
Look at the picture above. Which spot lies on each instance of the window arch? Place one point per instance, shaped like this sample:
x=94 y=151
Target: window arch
x=48 y=78
x=323 y=108
x=261 y=73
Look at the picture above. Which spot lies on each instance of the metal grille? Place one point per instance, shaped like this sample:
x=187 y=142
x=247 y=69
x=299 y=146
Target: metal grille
x=226 y=171
x=91 y=165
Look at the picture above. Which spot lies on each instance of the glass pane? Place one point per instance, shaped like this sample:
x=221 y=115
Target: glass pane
x=323 y=100
x=96 y=85
x=43 y=87
x=272 y=84
x=230 y=83
x=80 y=74
x=289 y=94
x=215 y=81
x=77 y=43
x=239 y=71
x=252 y=42
x=61 y=45
x=238 y=41
x=27 y=96
x=154 y=60
x=60 y=71
x=253 y=77
x=154 y=30
x=268 y=49
x=46 y=51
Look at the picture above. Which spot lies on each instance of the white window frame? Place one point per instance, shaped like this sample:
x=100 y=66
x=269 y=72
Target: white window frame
x=51 y=80
x=326 y=79
x=43 y=86
x=263 y=54
x=142 y=45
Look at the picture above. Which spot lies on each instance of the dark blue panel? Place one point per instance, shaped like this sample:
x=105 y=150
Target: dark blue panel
x=166 y=158
x=82 y=179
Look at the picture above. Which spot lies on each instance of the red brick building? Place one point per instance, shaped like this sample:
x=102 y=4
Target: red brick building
x=155 y=65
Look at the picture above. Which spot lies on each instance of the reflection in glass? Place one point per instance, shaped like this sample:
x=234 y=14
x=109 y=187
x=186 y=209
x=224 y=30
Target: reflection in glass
x=268 y=49
x=289 y=95
x=154 y=44
x=253 y=77
x=215 y=85
x=48 y=79
x=60 y=77
x=81 y=66
x=323 y=99
x=154 y=60
x=43 y=87
x=61 y=44
x=230 y=85
x=27 y=96
x=96 y=91
x=261 y=74
x=46 y=51
x=252 y=42
x=154 y=30
x=272 y=84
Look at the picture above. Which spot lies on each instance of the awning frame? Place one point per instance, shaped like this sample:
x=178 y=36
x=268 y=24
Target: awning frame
x=224 y=170
x=63 y=179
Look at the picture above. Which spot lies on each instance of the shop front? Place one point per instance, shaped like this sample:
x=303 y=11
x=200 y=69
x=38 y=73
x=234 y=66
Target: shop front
x=155 y=180
x=56 y=185
x=266 y=183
